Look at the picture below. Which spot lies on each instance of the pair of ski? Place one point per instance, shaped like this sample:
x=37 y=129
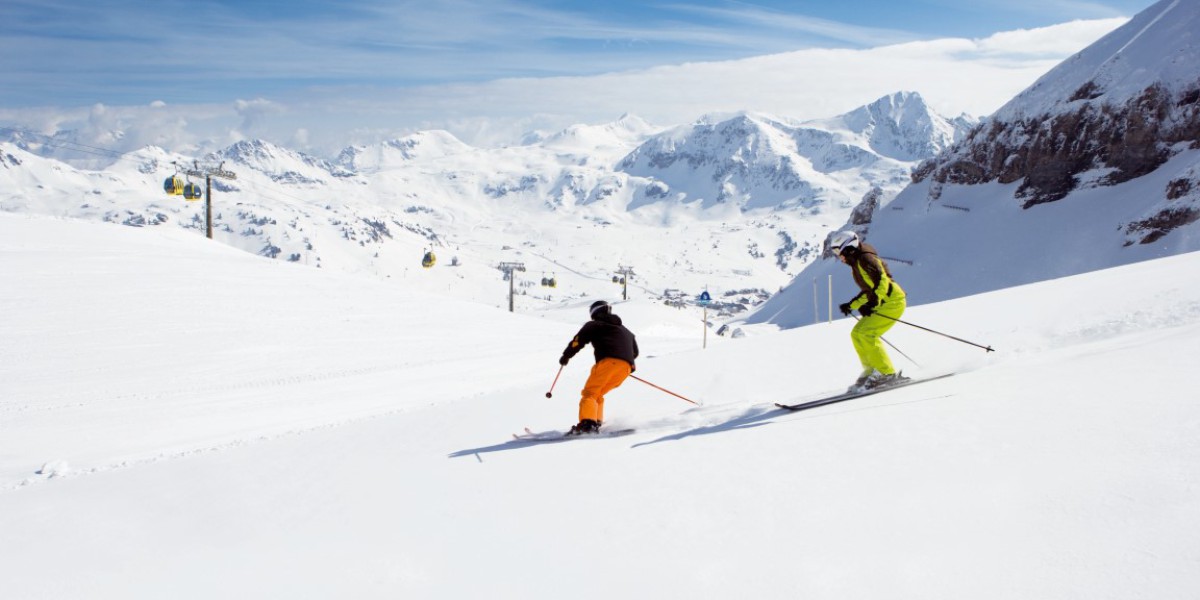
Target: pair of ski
x=559 y=436
x=857 y=394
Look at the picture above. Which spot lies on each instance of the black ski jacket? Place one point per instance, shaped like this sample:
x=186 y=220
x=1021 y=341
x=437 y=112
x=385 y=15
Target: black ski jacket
x=608 y=337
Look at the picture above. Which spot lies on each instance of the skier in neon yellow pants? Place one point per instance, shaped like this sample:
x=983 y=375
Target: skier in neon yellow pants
x=880 y=301
x=867 y=335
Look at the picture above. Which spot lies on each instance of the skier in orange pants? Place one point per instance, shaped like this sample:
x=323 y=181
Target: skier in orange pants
x=615 y=348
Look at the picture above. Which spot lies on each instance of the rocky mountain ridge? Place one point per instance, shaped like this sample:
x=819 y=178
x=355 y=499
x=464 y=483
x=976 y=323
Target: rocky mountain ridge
x=1123 y=108
x=1095 y=165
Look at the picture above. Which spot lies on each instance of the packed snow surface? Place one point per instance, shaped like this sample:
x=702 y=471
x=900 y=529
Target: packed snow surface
x=180 y=419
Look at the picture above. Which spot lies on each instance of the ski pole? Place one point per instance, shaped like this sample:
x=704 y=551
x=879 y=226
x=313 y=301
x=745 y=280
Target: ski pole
x=988 y=348
x=893 y=347
x=560 y=368
x=662 y=389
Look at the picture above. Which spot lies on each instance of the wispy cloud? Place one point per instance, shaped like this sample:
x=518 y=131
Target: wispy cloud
x=70 y=52
x=757 y=22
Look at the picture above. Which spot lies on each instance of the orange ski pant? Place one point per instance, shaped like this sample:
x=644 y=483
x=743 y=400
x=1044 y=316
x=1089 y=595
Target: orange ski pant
x=606 y=375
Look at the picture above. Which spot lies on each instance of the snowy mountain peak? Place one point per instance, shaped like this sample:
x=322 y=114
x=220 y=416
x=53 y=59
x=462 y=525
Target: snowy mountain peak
x=900 y=126
x=426 y=145
x=280 y=164
x=758 y=160
x=1159 y=47
x=626 y=132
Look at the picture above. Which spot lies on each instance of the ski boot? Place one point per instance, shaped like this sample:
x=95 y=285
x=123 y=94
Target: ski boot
x=863 y=382
x=585 y=427
x=882 y=381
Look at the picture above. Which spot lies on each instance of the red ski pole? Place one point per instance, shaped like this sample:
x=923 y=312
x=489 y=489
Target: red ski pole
x=662 y=389
x=549 y=394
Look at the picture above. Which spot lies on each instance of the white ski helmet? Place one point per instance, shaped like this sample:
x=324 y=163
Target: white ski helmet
x=841 y=240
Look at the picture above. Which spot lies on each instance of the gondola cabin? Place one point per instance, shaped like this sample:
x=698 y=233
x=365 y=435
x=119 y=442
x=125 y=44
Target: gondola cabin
x=429 y=260
x=173 y=185
x=193 y=191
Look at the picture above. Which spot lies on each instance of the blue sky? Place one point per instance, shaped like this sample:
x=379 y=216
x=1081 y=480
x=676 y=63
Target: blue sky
x=66 y=53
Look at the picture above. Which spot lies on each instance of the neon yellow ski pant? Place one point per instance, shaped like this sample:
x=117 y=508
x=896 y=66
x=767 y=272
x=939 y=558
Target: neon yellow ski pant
x=867 y=336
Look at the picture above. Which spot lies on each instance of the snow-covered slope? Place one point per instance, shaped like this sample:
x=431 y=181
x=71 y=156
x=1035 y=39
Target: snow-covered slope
x=179 y=419
x=1097 y=164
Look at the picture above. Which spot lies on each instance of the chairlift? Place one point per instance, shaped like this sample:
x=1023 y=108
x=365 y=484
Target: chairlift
x=429 y=259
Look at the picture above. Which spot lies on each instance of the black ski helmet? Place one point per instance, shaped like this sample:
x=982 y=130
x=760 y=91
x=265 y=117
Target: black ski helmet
x=599 y=307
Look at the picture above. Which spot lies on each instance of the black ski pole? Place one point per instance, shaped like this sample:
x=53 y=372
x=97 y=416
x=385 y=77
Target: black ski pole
x=893 y=347
x=988 y=348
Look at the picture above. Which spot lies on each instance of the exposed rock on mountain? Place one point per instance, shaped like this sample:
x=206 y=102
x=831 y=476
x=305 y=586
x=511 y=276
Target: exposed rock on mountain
x=1122 y=107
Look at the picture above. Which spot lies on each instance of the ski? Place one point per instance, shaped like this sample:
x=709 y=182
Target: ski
x=852 y=395
x=561 y=436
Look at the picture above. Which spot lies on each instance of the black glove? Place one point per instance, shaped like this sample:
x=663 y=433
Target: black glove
x=563 y=361
x=867 y=310
x=845 y=308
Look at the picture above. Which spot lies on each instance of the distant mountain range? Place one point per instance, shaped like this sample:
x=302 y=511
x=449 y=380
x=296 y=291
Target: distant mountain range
x=757 y=191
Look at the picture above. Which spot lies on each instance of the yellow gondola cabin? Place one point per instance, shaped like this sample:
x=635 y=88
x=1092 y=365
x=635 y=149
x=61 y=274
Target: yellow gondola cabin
x=173 y=185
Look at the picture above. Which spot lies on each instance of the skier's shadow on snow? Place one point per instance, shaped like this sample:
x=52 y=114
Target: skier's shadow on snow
x=759 y=416
x=755 y=417
x=513 y=444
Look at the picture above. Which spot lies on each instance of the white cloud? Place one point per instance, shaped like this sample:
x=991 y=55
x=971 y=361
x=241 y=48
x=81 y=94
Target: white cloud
x=1060 y=40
